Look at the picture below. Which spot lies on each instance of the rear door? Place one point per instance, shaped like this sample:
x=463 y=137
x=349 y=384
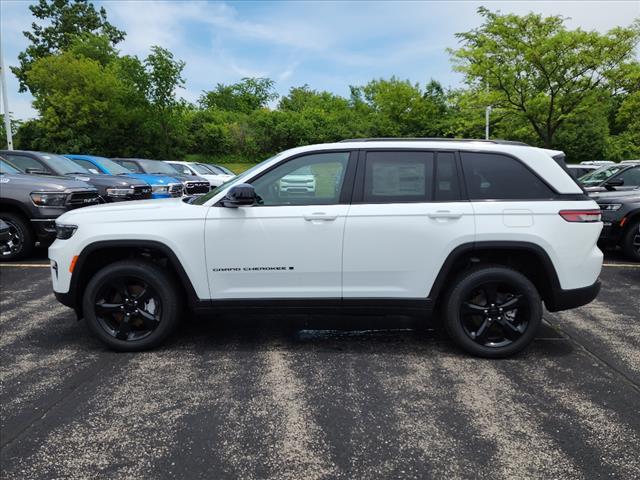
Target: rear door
x=408 y=213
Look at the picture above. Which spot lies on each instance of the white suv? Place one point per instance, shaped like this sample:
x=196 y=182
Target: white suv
x=483 y=232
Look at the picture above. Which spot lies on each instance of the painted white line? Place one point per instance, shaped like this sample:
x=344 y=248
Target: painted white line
x=622 y=265
x=27 y=265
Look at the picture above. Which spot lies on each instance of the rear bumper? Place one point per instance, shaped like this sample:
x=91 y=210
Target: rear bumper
x=567 y=299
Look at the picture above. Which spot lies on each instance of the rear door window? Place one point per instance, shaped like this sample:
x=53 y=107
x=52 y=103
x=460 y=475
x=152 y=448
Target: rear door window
x=447 y=184
x=398 y=176
x=492 y=176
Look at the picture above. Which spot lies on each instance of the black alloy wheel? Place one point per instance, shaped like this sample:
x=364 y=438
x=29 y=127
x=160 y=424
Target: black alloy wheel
x=128 y=308
x=494 y=315
x=631 y=241
x=492 y=311
x=132 y=305
x=20 y=241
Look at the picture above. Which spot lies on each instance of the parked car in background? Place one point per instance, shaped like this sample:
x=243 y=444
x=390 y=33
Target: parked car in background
x=579 y=170
x=191 y=169
x=29 y=205
x=192 y=185
x=111 y=188
x=621 y=219
x=299 y=182
x=598 y=163
x=162 y=186
x=619 y=177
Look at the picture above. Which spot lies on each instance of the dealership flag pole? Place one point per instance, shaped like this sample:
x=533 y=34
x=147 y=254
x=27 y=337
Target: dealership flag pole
x=5 y=101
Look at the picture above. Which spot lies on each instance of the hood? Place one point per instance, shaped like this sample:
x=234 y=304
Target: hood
x=134 y=211
x=190 y=178
x=618 y=196
x=154 y=179
x=106 y=181
x=43 y=182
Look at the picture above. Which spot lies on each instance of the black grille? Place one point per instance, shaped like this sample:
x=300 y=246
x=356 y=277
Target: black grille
x=82 y=199
x=141 y=192
x=193 y=188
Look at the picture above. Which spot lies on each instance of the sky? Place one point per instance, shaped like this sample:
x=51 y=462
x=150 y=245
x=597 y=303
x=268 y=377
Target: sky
x=327 y=45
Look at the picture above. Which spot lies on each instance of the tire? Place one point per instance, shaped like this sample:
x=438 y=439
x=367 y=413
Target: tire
x=489 y=331
x=153 y=305
x=22 y=242
x=631 y=241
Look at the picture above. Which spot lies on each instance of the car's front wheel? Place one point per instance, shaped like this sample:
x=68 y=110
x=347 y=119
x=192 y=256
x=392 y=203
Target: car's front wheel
x=493 y=311
x=21 y=239
x=131 y=305
x=631 y=241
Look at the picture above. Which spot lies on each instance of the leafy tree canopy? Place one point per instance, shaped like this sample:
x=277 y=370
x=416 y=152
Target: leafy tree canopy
x=535 y=66
x=61 y=22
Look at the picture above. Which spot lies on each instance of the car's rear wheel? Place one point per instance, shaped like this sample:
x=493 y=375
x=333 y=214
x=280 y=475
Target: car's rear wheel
x=631 y=241
x=493 y=312
x=132 y=305
x=21 y=239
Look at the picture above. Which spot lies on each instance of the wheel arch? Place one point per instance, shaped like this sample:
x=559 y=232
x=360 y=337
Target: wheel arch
x=14 y=206
x=526 y=257
x=96 y=255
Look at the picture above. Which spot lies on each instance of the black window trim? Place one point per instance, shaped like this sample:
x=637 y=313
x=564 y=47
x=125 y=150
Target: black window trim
x=347 y=181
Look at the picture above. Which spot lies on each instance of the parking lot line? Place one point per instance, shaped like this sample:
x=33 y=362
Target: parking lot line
x=622 y=265
x=27 y=265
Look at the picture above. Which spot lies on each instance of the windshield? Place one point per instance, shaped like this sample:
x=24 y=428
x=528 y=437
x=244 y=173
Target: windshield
x=158 y=167
x=63 y=165
x=112 y=167
x=239 y=179
x=224 y=169
x=598 y=176
x=201 y=169
x=6 y=168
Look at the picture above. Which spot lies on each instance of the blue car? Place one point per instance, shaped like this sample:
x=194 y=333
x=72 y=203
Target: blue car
x=162 y=186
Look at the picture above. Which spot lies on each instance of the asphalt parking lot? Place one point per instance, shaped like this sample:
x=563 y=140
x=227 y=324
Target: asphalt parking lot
x=237 y=399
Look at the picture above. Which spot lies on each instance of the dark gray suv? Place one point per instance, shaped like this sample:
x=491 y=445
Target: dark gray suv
x=29 y=205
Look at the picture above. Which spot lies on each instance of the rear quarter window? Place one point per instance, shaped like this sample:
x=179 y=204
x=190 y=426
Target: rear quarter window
x=492 y=176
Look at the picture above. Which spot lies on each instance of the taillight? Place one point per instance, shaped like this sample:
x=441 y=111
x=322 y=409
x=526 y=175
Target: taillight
x=584 y=216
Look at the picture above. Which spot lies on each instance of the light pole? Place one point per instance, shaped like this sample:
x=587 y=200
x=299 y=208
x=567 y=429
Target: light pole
x=487 y=112
x=5 y=101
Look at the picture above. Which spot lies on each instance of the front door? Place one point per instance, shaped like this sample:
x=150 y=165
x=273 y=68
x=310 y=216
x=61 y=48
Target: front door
x=290 y=244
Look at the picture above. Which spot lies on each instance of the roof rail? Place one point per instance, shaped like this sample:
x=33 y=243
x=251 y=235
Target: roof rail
x=433 y=139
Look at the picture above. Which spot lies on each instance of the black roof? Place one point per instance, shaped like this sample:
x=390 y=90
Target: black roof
x=433 y=139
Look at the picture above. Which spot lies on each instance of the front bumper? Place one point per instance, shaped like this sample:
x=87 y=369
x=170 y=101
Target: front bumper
x=567 y=299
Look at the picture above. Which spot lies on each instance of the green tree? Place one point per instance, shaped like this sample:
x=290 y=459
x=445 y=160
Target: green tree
x=245 y=96
x=84 y=105
x=61 y=22
x=165 y=125
x=536 y=67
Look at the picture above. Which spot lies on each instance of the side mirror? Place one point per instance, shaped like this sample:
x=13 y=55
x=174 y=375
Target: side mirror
x=240 y=195
x=616 y=182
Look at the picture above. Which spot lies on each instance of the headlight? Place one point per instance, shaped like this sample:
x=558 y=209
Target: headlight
x=160 y=189
x=48 y=199
x=120 y=192
x=64 y=232
x=610 y=207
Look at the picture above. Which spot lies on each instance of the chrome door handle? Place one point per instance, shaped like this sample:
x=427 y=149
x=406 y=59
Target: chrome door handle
x=319 y=216
x=445 y=214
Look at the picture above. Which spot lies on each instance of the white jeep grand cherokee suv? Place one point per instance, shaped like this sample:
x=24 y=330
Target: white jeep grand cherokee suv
x=483 y=232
